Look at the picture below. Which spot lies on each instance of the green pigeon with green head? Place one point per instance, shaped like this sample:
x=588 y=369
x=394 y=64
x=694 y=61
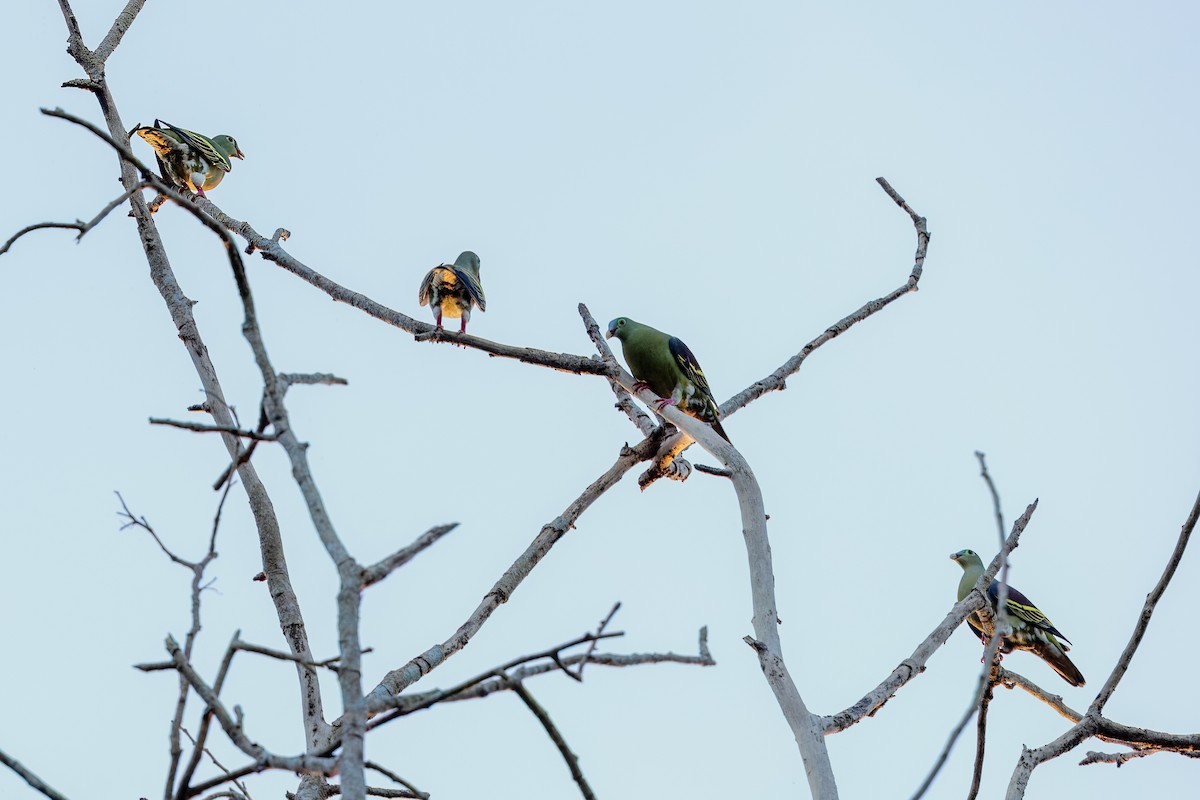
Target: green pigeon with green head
x=664 y=365
x=452 y=290
x=203 y=162
x=1031 y=630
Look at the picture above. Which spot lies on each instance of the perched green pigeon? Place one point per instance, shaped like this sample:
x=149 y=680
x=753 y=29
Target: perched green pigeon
x=206 y=160
x=666 y=366
x=1031 y=630
x=452 y=291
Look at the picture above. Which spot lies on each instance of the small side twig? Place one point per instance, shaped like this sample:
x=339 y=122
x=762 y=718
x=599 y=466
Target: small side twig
x=385 y=566
x=983 y=473
x=77 y=225
x=592 y=647
x=245 y=792
x=200 y=427
x=404 y=706
x=417 y=793
x=329 y=663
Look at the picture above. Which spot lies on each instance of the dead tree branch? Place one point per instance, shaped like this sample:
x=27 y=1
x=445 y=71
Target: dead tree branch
x=29 y=777
x=78 y=225
x=1092 y=722
x=555 y=736
x=179 y=305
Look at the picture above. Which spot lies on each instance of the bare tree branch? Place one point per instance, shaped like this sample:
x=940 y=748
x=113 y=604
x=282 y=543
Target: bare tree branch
x=982 y=696
x=983 y=473
x=182 y=790
x=233 y=728
x=981 y=722
x=555 y=736
x=78 y=225
x=777 y=380
x=595 y=640
x=287 y=605
x=1093 y=721
x=202 y=428
x=915 y=664
x=396 y=681
x=273 y=251
x=1120 y=758
x=329 y=663
x=385 y=566
x=29 y=777
x=119 y=27
x=242 y=793
x=393 y=776
x=409 y=704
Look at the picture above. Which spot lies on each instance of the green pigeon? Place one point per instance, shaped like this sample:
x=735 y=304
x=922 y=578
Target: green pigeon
x=1031 y=630
x=664 y=365
x=453 y=290
x=206 y=160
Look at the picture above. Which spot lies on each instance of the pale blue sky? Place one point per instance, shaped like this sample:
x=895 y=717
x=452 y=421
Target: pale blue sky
x=706 y=170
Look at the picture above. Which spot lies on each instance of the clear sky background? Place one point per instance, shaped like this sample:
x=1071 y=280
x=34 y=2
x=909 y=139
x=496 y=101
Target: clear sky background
x=703 y=168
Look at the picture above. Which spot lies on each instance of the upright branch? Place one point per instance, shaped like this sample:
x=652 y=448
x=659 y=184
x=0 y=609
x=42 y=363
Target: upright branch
x=987 y=478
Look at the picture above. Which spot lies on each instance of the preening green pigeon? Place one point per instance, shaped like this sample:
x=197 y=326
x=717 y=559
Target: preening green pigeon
x=1031 y=630
x=452 y=291
x=202 y=166
x=667 y=367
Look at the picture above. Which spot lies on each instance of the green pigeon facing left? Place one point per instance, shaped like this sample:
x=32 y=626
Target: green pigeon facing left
x=206 y=160
x=665 y=365
x=1032 y=631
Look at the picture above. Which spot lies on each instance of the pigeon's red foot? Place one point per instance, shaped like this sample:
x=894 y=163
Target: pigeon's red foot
x=663 y=402
x=639 y=386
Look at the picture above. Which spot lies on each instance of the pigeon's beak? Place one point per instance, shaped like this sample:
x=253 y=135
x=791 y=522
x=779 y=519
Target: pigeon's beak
x=608 y=334
x=239 y=154
x=954 y=556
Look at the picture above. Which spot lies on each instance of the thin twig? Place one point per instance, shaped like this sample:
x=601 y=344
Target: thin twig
x=387 y=773
x=202 y=428
x=329 y=663
x=385 y=566
x=555 y=736
x=596 y=640
x=972 y=709
x=408 y=707
x=981 y=726
x=78 y=225
x=233 y=728
x=215 y=762
x=182 y=791
x=983 y=473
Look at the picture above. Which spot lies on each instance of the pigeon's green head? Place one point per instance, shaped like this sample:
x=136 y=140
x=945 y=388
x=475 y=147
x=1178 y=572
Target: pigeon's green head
x=966 y=558
x=619 y=328
x=228 y=145
x=467 y=260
